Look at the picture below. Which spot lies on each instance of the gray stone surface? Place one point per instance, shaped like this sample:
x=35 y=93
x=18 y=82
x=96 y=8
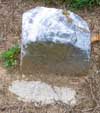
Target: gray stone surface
x=41 y=93
x=54 y=41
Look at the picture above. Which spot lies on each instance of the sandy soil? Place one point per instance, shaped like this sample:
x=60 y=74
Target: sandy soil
x=88 y=87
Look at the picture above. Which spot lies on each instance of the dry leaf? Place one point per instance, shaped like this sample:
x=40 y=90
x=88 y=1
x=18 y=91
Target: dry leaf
x=95 y=38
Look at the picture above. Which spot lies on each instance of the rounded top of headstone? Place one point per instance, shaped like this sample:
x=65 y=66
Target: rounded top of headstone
x=55 y=25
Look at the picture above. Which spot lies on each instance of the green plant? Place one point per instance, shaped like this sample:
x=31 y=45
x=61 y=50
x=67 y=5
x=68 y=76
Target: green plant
x=73 y=4
x=79 y=4
x=11 y=56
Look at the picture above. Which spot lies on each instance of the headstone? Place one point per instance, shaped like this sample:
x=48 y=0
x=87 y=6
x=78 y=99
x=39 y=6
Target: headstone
x=54 y=41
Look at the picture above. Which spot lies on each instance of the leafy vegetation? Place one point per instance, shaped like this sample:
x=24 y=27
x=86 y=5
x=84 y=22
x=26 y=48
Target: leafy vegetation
x=11 y=56
x=76 y=4
x=73 y=4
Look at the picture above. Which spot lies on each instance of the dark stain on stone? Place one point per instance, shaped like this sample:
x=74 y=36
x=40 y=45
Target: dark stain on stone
x=54 y=58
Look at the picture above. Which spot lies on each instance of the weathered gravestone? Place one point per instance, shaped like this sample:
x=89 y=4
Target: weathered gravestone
x=54 y=41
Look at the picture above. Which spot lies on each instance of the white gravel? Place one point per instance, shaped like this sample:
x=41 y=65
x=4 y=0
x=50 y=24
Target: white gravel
x=42 y=93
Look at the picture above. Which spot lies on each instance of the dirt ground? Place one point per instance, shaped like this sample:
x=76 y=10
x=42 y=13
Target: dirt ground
x=87 y=87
